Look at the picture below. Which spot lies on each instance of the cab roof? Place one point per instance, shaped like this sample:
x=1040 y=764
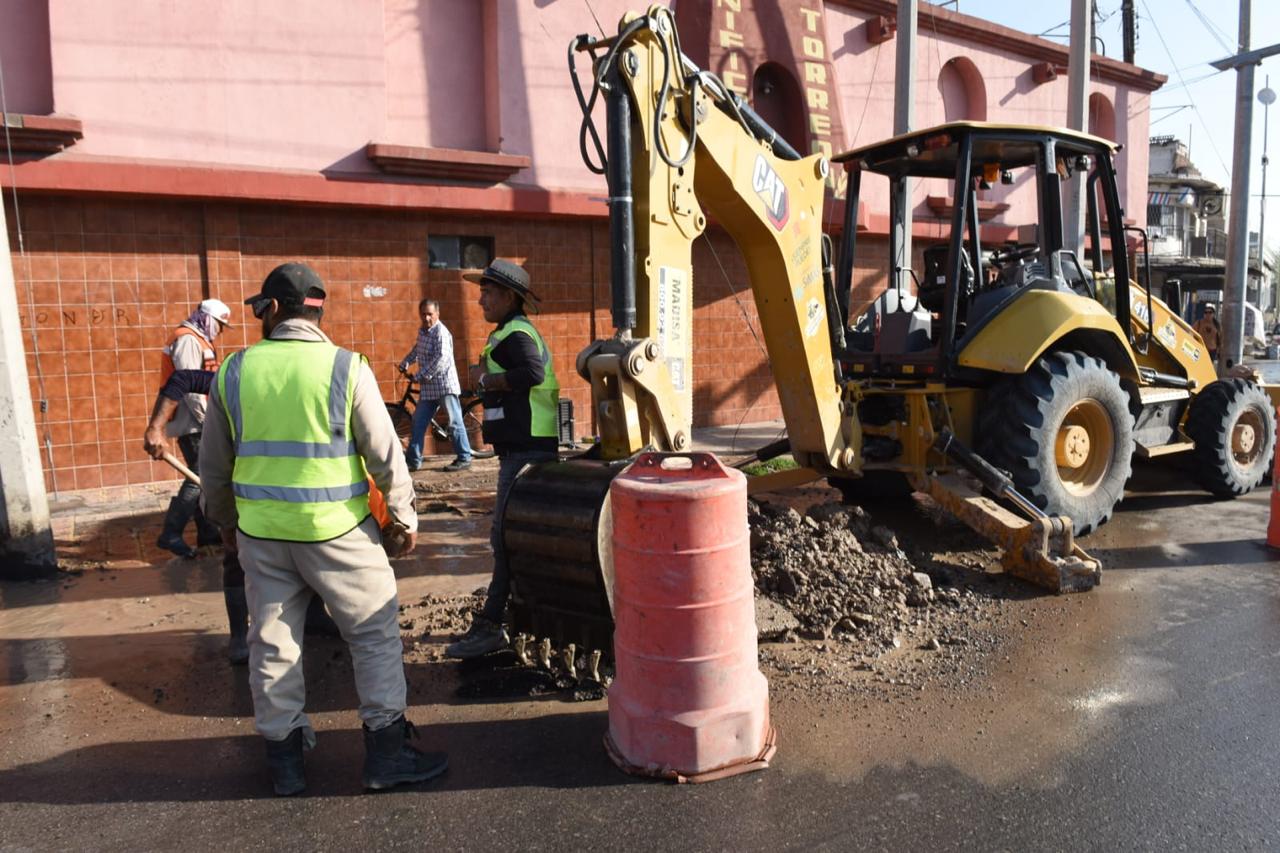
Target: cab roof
x=933 y=151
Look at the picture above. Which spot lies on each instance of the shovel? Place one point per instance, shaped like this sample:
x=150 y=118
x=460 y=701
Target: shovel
x=182 y=469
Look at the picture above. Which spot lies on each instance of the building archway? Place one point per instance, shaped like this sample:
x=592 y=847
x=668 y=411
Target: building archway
x=964 y=94
x=776 y=96
x=1102 y=116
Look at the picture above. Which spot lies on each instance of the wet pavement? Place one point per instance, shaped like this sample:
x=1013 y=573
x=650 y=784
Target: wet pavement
x=1144 y=714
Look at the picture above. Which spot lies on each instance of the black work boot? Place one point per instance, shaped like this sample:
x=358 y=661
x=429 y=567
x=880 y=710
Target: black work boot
x=484 y=636
x=390 y=760
x=284 y=761
x=238 y=622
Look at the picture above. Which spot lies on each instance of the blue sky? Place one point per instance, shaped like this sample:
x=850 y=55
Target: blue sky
x=1180 y=38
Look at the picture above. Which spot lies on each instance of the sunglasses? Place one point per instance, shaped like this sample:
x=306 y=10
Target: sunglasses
x=260 y=307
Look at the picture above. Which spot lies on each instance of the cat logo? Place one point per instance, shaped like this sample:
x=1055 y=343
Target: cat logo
x=767 y=184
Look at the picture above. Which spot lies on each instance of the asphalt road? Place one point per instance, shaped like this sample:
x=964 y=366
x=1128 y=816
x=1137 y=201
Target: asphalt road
x=1142 y=715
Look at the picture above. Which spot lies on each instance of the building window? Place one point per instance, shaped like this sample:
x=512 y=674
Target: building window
x=453 y=252
x=1161 y=215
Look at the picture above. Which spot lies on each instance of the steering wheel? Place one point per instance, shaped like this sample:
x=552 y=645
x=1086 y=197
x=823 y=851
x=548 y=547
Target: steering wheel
x=1022 y=251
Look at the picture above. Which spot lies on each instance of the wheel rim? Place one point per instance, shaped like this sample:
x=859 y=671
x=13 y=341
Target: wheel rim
x=1247 y=438
x=1084 y=446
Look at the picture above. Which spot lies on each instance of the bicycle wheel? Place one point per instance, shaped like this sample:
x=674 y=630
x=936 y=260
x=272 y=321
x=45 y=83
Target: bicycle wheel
x=402 y=419
x=473 y=419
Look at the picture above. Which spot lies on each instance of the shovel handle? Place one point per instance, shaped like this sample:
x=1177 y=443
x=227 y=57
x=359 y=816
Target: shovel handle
x=182 y=469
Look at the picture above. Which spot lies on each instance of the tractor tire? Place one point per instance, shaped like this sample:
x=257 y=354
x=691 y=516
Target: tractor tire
x=1232 y=424
x=1065 y=435
x=872 y=487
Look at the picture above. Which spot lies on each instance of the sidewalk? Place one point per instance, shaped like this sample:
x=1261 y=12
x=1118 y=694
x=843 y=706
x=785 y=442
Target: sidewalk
x=118 y=527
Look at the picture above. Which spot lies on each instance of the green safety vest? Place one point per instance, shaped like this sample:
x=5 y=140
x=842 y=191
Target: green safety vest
x=501 y=425
x=297 y=474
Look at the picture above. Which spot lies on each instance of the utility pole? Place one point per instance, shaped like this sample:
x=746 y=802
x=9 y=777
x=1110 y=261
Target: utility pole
x=904 y=96
x=1266 y=97
x=1129 y=20
x=26 y=538
x=1243 y=62
x=1077 y=114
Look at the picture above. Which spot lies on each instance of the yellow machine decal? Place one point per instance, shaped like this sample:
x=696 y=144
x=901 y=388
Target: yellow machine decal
x=673 y=288
x=814 y=316
x=1192 y=351
x=1168 y=334
x=772 y=191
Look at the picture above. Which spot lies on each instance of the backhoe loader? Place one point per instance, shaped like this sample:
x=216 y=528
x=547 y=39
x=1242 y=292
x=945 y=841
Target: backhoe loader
x=1056 y=368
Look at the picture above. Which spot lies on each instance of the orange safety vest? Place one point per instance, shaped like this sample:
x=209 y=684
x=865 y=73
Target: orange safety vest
x=166 y=355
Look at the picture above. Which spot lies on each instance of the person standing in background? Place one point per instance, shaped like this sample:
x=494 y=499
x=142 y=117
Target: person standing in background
x=437 y=378
x=1208 y=328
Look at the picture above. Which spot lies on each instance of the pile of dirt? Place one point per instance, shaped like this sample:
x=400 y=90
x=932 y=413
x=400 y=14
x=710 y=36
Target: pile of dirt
x=868 y=610
x=840 y=574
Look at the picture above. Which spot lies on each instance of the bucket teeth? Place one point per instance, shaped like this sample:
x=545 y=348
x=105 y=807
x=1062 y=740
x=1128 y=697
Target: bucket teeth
x=522 y=649
x=544 y=653
x=593 y=665
x=567 y=655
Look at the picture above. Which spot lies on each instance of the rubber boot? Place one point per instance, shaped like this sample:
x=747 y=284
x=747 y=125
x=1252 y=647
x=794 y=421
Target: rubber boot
x=284 y=762
x=207 y=533
x=238 y=620
x=390 y=760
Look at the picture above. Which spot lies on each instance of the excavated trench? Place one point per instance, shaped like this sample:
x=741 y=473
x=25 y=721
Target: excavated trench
x=845 y=602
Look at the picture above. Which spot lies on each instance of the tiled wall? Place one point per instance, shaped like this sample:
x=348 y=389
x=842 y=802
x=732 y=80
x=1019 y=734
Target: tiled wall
x=102 y=284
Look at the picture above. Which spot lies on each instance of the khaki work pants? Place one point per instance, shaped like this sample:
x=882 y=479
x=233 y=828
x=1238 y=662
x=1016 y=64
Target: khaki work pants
x=353 y=577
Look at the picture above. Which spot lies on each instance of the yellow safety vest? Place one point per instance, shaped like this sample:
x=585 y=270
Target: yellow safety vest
x=297 y=474
x=501 y=423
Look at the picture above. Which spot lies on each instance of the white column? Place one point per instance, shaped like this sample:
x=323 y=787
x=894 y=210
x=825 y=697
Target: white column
x=26 y=539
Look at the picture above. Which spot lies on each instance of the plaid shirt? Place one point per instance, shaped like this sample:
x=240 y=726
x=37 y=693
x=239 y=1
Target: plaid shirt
x=433 y=353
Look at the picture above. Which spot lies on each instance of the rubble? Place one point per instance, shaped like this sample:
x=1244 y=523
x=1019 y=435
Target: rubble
x=839 y=574
x=861 y=603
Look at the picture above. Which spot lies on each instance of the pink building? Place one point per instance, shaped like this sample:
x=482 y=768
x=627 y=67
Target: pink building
x=167 y=152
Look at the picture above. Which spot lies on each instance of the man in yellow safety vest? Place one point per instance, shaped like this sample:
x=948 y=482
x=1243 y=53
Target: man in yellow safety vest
x=296 y=426
x=518 y=384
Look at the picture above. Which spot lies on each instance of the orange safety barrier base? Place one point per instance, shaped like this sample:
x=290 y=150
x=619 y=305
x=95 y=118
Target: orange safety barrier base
x=1273 y=525
x=747 y=765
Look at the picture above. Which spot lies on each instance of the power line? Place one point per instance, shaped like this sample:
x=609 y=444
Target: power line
x=1221 y=37
x=1181 y=80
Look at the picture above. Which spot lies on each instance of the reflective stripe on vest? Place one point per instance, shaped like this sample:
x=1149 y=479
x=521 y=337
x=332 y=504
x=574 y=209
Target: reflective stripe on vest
x=297 y=474
x=543 y=397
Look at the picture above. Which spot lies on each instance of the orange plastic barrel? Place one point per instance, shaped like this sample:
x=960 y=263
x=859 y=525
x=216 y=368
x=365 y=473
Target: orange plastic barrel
x=688 y=700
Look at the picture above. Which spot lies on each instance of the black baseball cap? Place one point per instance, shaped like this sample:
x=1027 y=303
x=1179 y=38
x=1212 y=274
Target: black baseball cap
x=291 y=284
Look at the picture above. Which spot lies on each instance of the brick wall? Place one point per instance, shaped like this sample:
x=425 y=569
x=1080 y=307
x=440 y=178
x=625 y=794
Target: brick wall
x=102 y=284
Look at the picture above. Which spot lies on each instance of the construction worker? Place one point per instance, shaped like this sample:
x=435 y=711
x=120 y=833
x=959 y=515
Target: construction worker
x=437 y=378
x=190 y=348
x=518 y=384
x=297 y=425
x=1210 y=330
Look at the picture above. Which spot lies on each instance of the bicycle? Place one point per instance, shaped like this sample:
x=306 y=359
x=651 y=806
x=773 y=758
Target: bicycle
x=472 y=419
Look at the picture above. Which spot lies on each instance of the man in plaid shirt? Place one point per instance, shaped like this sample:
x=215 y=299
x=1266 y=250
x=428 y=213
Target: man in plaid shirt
x=438 y=384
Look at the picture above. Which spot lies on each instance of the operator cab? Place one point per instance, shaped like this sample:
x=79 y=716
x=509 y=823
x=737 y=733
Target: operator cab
x=988 y=203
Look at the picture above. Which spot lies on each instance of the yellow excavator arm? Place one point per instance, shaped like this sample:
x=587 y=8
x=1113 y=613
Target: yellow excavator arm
x=677 y=141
